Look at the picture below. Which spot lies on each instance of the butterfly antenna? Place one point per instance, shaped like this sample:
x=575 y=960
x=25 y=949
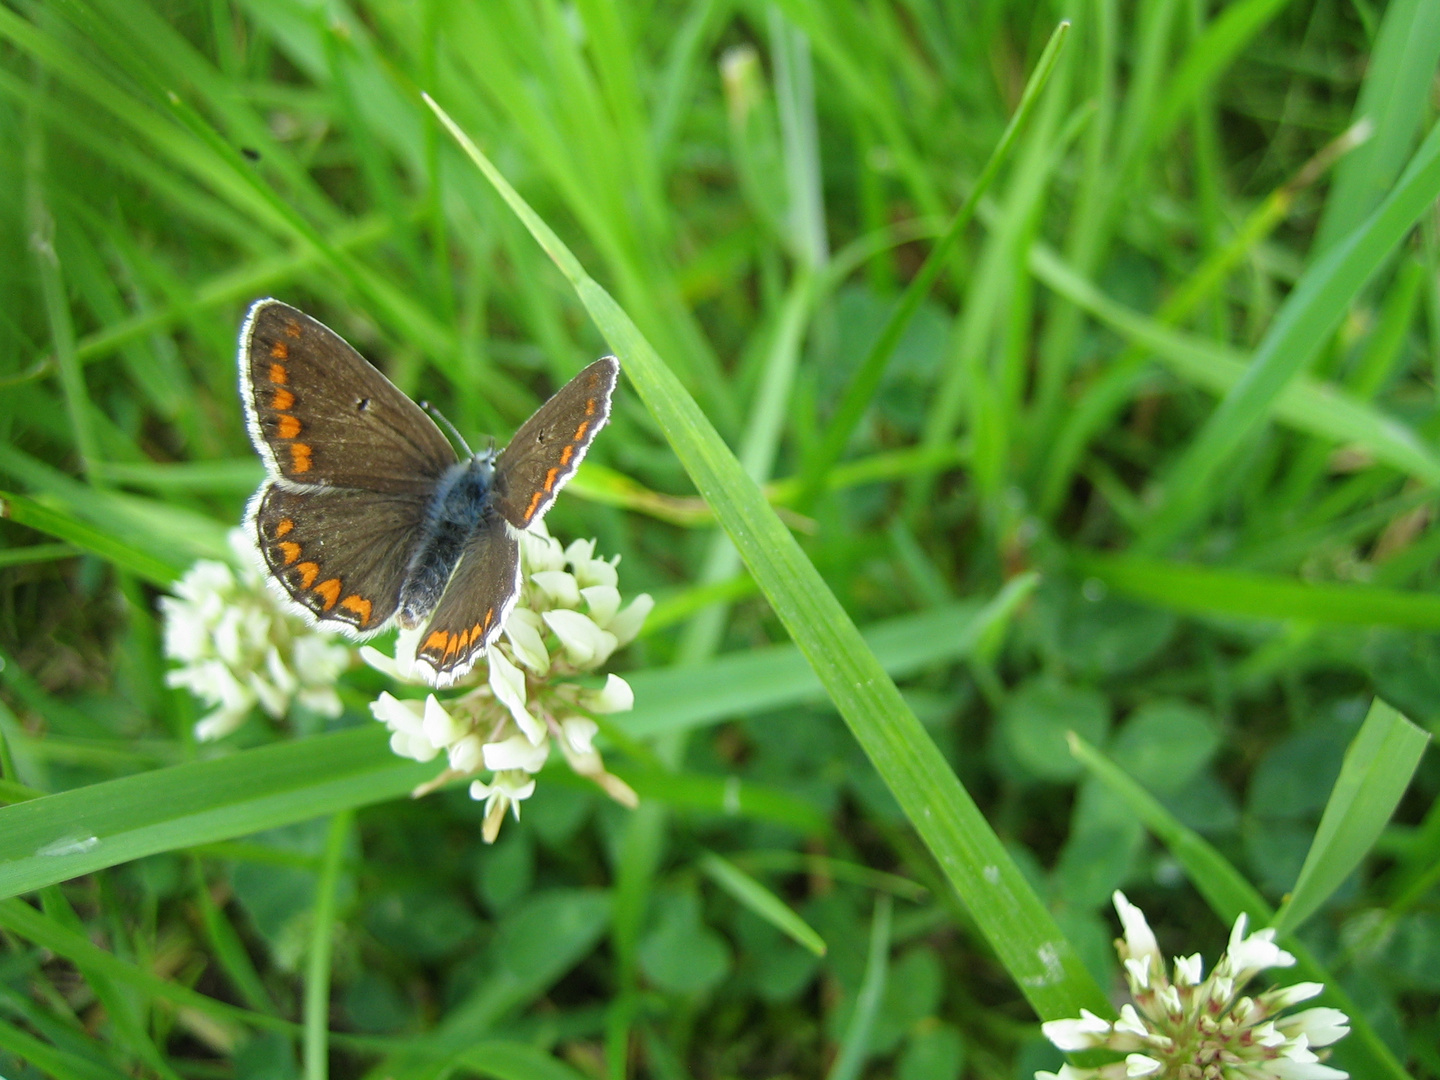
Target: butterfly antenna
x=438 y=415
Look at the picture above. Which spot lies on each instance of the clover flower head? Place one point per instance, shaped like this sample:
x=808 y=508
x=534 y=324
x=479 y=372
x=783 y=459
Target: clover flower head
x=237 y=646
x=1201 y=1028
x=525 y=698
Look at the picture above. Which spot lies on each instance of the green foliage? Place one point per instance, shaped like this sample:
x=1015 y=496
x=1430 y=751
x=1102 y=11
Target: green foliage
x=1061 y=410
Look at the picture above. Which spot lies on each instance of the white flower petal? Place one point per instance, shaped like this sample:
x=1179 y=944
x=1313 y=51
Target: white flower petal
x=272 y=700
x=628 y=622
x=614 y=697
x=413 y=746
x=580 y=552
x=1087 y=1032
x=219 y=723
x=440 y=727
x=1139 y=938
x=1282 y=997
x=1320 y=1026
x=407 y=717
x=508 y=684
x=586 y=645
x=516 y=752
x=524 y=631
x=602 y=602
x=467 y=755
x=1141 y=1065
x=1189 y=970
x=579 y=732
x=322 y=700
x=560 y=588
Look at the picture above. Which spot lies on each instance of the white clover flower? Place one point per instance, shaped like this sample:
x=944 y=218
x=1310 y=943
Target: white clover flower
x=567 y=621
x=1194 y=1028
x=237 y=647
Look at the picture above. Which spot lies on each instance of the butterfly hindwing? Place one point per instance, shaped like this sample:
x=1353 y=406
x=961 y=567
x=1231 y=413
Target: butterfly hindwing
x=320 y=414
x=339 y=553
x=476 y=603
x=547 y=449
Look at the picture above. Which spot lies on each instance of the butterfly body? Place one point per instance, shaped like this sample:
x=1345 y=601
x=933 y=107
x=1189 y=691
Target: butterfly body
x=369 y=516
x=458 y=508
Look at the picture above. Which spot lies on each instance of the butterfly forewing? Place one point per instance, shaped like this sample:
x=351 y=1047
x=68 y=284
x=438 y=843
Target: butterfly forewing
x=476 y=603
x=339 y=553
x=320 y=414
x=545 y=452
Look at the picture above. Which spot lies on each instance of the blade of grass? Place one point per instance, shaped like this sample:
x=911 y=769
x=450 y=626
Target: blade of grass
x=1205 y=590
x=855 y=1046
x=1013 y=919
x=34 y=515
x=866 y=382
x=322 y=943
x=1310 y=313
x=1378 y=767
x=1398 y=76
x=76 y=832
x=1313 y=407
x=674 y=698
x=761 y=901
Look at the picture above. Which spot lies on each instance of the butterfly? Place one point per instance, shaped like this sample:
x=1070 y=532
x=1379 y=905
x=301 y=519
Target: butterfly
x=370 y=517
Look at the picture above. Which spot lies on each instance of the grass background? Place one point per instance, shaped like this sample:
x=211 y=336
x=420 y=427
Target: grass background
x=1152 y=460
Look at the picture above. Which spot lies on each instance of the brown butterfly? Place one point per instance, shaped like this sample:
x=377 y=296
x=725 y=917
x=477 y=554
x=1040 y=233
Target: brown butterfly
x=370 y=516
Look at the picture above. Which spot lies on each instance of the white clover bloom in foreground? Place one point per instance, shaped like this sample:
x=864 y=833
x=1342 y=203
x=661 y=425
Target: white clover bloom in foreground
x=1193 y=1029
x=239 y=647
x=566 y=622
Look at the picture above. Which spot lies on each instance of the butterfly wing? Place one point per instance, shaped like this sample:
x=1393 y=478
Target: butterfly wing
x=320 y=414
x=476 y=603
x=339 y=553
x=547 y=449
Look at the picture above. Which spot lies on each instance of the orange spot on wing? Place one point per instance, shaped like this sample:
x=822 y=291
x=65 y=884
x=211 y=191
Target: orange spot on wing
x=489 y=615
x=550 y=479
x=436 y=640
x=476 y=631
x=359 y=605
x=292 y=328
x=288 y=427
x=566 y=455
x=589 y=408
x=300 y=457
x=329 y=591
x=283 y=527
x=580 y=431
x=290 y=550
x=534 y=504
x=307 y=572
x=452 y=642
x=278 y=374
x=280 y=350
x=282 y=400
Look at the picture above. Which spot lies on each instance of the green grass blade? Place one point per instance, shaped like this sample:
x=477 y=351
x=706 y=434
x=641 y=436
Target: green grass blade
x=761 y=901
x=1378 y=767
x=1310 y=314
x=28 y=512
x=675 y=698
x=1307 y=405
x=1013 y=919
x=62 y=836
x=515 y=1061
x=322 y=943
x=1204 y=590
x=1393 y=99
x=861 y=391
x=855 y=1046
